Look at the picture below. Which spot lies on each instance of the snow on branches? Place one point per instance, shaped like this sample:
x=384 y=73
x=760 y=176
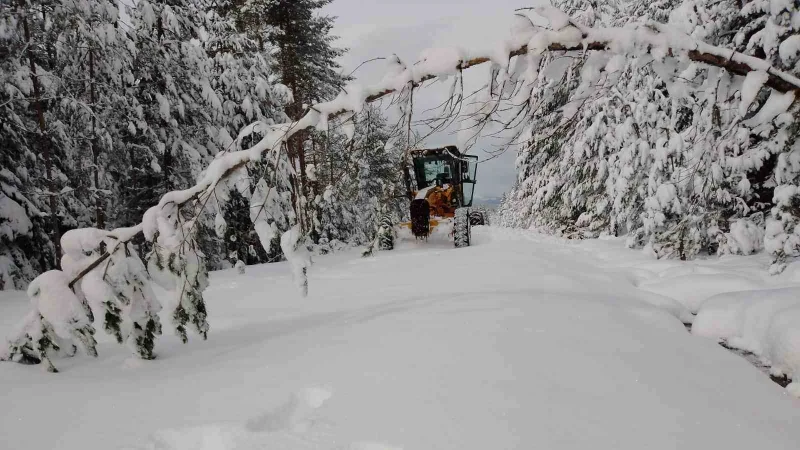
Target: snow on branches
x=118 y=290
x=679 y=145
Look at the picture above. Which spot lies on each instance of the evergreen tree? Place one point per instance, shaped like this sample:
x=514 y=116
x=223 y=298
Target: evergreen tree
x=362 y=181
x=306 y=63
x=675 y=156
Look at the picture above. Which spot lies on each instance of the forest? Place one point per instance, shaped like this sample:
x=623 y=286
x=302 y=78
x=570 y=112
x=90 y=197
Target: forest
x=681 y=159
x=107 y=107
x=152 y=143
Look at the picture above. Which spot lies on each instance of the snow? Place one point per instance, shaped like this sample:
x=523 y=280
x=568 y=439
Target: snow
x=265 y=211
x=50 y=295
x=294 y=249
x=423 y=193
x=790 y=49
x=520 y=341
x=220 y=226
x=764 y=322
x=745 y=237
x=163 y=107
x=777 y=103
x=439 y=61
x=14 y=220
x=81 y=241
x=692 y=290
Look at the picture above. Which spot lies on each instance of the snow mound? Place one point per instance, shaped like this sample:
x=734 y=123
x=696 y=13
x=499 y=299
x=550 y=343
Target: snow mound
x=693 y=290
x=764 y=322
x=669 y=305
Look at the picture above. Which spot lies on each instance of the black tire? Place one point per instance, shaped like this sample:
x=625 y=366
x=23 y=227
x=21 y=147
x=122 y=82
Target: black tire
x=386 y=234
x=462 y=229
x=477 y=217
x=420 y=218
x=485 y=213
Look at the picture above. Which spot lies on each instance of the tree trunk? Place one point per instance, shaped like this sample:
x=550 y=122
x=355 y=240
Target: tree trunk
x=44 y=142
x=98 y=204
x=167 y=164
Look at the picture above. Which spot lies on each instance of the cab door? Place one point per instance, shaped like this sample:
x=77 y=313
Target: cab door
x=469 y=170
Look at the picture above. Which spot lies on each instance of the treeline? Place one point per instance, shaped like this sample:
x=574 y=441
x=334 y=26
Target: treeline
x=682 y=163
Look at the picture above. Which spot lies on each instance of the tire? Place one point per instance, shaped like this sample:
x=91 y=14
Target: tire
x=386 y=234
x=462 y=229
x=477 y=217
x=420 y=218
x=485 y=213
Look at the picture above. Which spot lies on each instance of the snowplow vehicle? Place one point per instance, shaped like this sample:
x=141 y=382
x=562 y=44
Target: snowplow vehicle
x=440 y=183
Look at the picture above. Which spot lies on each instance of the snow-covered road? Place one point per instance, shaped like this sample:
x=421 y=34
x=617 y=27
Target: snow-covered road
x=520 y=342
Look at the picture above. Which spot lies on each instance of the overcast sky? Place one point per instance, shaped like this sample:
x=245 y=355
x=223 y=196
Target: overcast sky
x=375 y=28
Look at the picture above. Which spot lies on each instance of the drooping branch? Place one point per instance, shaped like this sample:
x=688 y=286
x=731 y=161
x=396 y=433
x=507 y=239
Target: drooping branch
x=563 y=36
x=123 y=236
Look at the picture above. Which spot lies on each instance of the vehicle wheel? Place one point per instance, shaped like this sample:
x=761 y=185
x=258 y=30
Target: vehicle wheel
x=420 y=218
x=477 y=217
x=386 y=233
x=462 y=229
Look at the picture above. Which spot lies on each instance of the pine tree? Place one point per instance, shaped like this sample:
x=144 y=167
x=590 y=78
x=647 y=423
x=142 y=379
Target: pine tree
x=306 y=63
x=361 y=183
x=58 y=75
x=686 y=153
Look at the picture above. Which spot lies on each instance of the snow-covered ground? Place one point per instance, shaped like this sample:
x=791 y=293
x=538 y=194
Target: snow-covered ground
x=520 y=341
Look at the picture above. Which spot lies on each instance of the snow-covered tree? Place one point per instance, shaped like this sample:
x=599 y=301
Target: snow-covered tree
x=671 y=154
x=119 y=289
x=360 y=178
x=306 y=62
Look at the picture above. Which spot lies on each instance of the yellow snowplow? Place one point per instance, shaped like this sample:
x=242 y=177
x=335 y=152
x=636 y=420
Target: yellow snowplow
x=440 y=183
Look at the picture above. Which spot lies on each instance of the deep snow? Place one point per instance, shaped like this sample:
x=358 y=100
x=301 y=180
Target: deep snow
x=520 y=341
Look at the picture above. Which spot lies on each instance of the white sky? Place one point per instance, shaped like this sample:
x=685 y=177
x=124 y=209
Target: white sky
x=376 y=28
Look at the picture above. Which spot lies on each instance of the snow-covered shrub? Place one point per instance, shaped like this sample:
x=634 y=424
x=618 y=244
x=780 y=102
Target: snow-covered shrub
x=746 y=236
x=118 y=289
x=177 y=264
x=270 y=214
x=110 y=285
x=58 y=320
x=782 y=238
x=295 y=247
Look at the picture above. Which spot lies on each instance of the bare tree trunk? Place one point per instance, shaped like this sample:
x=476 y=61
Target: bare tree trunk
x=330 y=158
x=166 y=161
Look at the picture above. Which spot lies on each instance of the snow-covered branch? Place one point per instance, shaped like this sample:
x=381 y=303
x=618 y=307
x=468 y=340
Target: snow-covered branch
x=658 y=40
x=563 y=34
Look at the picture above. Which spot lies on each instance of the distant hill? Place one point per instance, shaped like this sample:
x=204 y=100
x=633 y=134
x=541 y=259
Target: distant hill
x=489 y=202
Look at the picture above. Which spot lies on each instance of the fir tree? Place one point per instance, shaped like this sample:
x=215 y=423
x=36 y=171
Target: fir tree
x=306 y=63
